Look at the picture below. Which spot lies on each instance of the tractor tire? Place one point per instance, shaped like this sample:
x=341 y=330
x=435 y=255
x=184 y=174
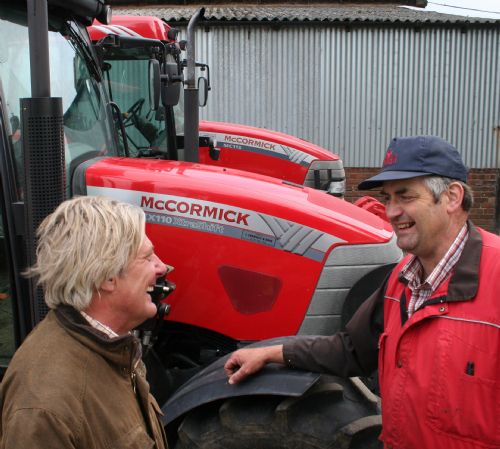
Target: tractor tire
x=333 y=414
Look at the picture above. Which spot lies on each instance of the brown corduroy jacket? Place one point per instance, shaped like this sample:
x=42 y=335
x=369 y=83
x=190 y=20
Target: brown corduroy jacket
x=70 y=387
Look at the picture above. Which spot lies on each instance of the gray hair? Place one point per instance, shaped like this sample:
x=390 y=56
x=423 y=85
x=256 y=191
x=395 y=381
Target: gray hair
x=85 y=241
x=439 y=184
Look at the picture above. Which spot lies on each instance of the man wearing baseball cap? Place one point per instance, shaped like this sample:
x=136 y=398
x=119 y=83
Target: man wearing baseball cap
x=433 y=327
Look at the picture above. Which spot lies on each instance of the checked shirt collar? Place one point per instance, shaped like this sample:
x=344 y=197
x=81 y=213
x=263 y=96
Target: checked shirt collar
x=412 y=272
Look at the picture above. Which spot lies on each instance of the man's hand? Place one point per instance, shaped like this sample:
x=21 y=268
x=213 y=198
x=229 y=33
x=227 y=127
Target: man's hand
x=245 y=362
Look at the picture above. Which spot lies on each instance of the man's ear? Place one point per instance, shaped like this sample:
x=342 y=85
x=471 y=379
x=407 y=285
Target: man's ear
x=108 y=285
x=455 y=196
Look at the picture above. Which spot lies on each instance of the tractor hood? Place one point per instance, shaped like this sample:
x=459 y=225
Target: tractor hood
x=252 y=247
x=253 y=195
x=223 y=133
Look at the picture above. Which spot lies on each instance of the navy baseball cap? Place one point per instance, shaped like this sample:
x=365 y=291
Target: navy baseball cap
x=409 y=157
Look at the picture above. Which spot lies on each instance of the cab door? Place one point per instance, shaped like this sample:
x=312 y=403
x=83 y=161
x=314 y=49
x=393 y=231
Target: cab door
x=15 y=317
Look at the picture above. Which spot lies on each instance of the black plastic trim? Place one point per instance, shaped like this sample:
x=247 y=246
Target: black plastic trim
x=211 y=384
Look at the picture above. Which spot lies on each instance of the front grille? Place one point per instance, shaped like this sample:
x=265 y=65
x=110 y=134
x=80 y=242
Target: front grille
x=345 y=265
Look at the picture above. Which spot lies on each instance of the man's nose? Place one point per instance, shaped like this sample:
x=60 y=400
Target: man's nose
x=160 y=267
x=392 y=210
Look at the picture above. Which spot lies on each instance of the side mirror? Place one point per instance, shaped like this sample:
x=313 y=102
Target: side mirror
x=202 y=91
x=154 y=84
x=171 y=84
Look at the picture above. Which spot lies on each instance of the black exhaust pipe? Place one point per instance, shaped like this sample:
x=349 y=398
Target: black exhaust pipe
x=191 y=104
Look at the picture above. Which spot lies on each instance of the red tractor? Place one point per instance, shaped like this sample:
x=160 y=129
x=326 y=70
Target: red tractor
x=255 y=257
x=232 y=145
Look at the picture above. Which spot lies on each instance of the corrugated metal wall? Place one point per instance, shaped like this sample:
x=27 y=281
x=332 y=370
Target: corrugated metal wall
x=352 y=91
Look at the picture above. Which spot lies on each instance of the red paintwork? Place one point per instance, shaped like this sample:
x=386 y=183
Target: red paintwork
x=147 y=26
x=257 y=163
x=265 y=134
x=372 y=205
x=262 y=163
x=200 y=298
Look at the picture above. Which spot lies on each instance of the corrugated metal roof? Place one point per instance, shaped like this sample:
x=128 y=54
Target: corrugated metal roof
x=344 y=13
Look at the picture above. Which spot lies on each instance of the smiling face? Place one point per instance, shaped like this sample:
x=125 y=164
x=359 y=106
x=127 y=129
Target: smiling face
x=132 y=300
x=423 y=227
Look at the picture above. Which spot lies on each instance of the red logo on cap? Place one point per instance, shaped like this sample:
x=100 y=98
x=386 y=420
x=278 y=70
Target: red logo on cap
x=390 y=158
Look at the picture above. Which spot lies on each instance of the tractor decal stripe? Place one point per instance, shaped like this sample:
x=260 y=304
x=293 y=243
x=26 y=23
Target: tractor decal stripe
x=125 y=30
x=225 y=220
x=116 y=29
x=253 y=145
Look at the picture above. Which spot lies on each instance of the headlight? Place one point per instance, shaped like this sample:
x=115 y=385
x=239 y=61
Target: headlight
x=336 y=188
x=328 y=176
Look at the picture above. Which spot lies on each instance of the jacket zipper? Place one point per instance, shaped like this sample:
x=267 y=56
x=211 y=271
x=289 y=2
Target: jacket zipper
x=134 y=382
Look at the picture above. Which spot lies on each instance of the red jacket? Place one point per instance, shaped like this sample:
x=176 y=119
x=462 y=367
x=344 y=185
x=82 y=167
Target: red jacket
x=440 y=371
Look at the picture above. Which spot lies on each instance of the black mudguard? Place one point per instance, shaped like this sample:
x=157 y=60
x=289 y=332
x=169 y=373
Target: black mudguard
x=211 y=384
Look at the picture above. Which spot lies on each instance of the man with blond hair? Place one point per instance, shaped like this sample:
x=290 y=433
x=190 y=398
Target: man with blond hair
x=77 y=381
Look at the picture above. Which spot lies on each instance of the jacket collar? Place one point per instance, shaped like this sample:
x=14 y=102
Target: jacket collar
x=464 y=281
x=122 y=351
